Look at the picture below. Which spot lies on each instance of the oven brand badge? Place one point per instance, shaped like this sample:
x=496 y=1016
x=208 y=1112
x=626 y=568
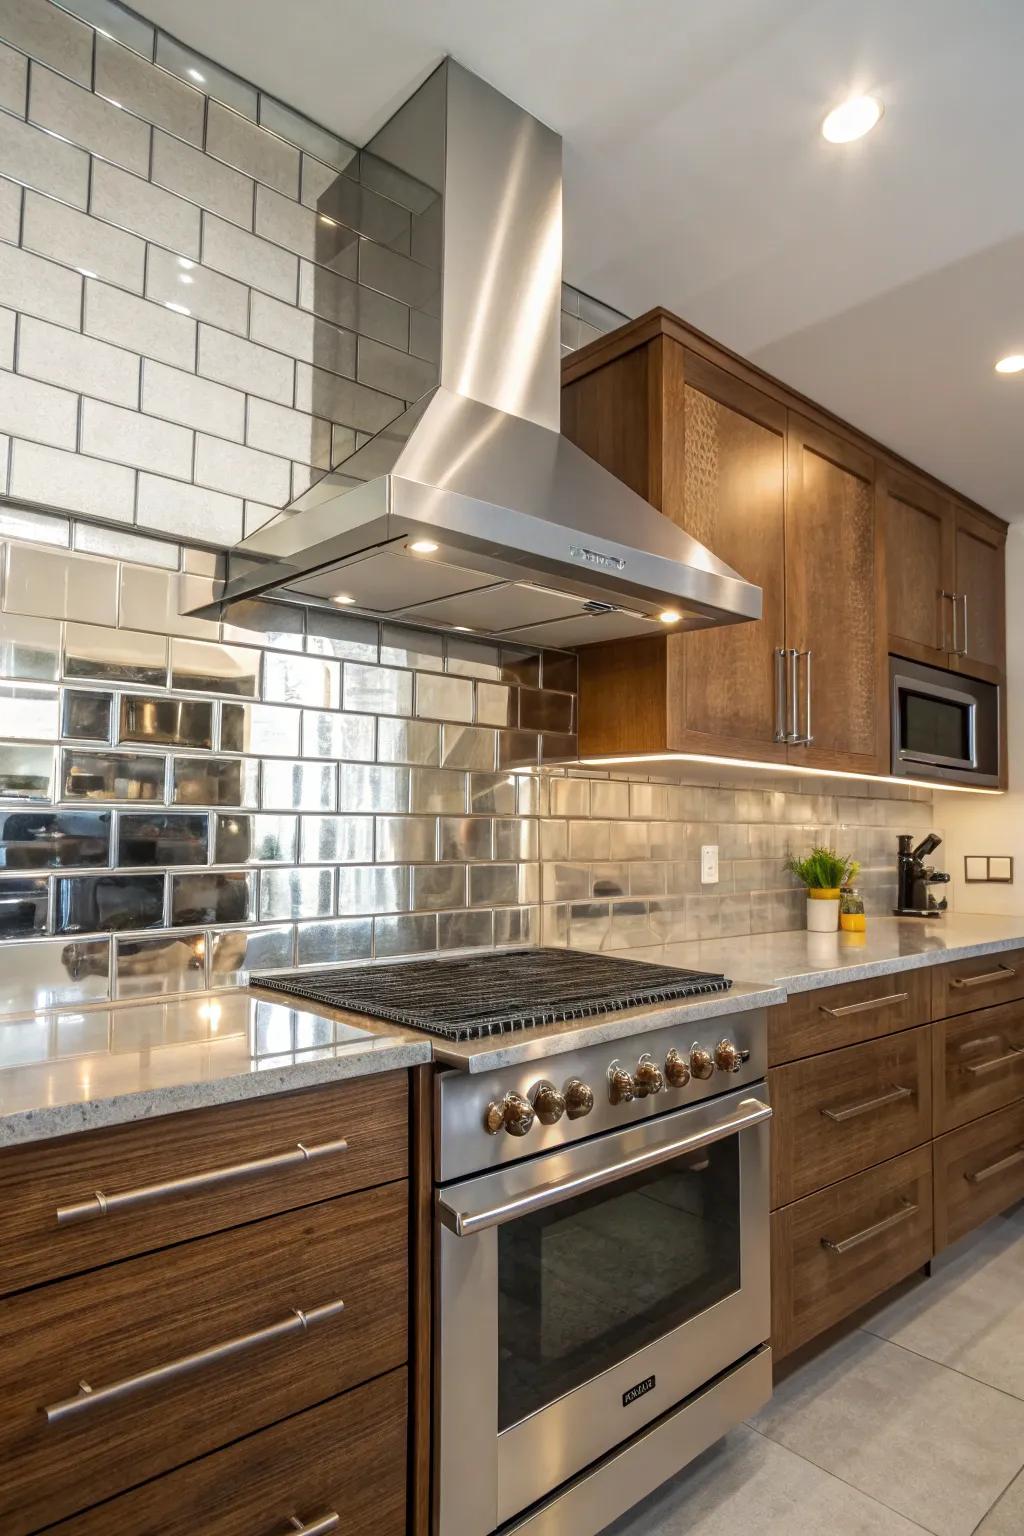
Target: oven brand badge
x=642 y=1387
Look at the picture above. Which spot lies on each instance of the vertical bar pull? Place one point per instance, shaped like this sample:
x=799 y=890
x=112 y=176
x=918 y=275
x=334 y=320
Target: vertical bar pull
x=780 y=694
x=963 y=633
x=808 y=734
x=793 y=736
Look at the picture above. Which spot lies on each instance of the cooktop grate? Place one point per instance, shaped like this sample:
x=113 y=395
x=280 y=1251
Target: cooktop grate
x=496 y=992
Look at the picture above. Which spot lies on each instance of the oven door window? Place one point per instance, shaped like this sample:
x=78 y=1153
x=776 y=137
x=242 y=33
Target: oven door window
x=934 y=729
x=586 y=1283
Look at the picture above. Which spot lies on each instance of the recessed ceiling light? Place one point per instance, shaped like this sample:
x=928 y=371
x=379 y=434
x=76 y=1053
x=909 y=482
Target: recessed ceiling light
x=343 y=599
x=195 y=75
x=1012 y=363
x=179 y=309
x=670 y=616
x=423 y=547
x=852 y=119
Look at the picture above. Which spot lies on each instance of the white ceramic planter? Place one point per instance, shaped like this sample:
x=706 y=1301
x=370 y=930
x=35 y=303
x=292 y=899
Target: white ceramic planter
x=822 y=912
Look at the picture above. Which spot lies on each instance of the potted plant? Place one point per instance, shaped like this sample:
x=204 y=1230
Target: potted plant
x=823 y=873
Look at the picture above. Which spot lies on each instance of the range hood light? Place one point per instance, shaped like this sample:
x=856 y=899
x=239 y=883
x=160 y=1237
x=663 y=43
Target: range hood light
x=423 y=547
x=463 y=629
x=670 y=616
x=343 y=599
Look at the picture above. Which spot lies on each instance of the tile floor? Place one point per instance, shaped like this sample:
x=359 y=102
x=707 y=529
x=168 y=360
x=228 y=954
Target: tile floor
x=912 y=1423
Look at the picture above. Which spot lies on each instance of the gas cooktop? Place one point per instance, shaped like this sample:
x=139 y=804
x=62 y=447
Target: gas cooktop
x=495 y=992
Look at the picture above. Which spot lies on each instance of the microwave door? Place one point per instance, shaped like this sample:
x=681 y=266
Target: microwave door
x=935 y=725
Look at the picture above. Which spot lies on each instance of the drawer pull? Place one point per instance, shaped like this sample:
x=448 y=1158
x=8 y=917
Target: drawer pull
x=88 y=1397
x=907 y=1209
x=1010 y=1161
x=1015 y=1054
x=316 y=1527
x=149 y=1194
x=851 y=1111
x=1001 y=973
x=866 y=1007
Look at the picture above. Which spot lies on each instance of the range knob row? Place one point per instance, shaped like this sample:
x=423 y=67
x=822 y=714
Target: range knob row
x=516 y=1114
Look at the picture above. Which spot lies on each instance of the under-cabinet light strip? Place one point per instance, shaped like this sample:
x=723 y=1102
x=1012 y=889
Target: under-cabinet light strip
x=797 y=768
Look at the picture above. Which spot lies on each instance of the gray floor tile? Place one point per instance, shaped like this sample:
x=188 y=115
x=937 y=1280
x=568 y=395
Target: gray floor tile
x=970 y=1313
x=749 y=1486
x=1007 y=1518
x=933 y=1444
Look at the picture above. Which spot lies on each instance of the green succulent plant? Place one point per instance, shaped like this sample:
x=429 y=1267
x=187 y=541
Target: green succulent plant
x=824 y=869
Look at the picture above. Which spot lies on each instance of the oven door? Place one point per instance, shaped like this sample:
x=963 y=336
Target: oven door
x=583 y=1292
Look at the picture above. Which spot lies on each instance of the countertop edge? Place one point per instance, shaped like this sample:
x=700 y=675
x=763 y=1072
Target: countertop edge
x=810 y=981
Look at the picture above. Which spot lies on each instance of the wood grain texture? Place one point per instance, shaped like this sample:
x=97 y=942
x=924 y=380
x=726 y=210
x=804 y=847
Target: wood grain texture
x=623 y=696
x=921 y=569
x=810 y=1022
x=962 y=1204
x=370 y=1113
x=813 y=1288
x=811 y=1150
x=612 y=414
x=1006 y=970
x=347 y=1456
x=116 y=1322
x=421 y=1279
x=962 y=1049
x=981 y=577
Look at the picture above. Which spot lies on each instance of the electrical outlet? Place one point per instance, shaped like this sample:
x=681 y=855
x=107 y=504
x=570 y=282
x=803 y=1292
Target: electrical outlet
x=709 y=864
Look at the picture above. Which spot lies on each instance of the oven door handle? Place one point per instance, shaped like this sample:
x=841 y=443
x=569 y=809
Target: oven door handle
x=466 y=1223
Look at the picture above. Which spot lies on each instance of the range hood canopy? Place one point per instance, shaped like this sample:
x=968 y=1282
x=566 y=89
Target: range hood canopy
x=469 y=510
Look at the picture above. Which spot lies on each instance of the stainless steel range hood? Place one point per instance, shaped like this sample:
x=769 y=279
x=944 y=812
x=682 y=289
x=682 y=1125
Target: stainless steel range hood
x=520 y=534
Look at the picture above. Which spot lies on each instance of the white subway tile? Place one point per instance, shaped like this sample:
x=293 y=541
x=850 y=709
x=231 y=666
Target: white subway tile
x=88 y=120
x=286 y=222
x=127 y=200
x=151 y=92
x=127 y=437
x=8 y=320
x=38 y=411
x=189 y=511
x=13 y=81
x=112 y=18
x=260 y=154
x=119 y=544
x=158 y=602
x=205 y=294
x=257 y=515
x=52 y=585
x=276 y=429
x=72 y=481
x=46 y=33
x=151 y=329
x=249 y=259
x=335 y=297
x=231 y=360
x=37 y=287
x=5 y=453
x=192 y=401
x=299 y=129
x=301 y=335
x=10 y=210
x=37 y=159
x=392 y=372
x=60 y=356
x=79 y=241
x=241 y=471
x=202 y=179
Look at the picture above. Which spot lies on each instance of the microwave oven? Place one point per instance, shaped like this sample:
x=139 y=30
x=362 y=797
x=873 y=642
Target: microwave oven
x=944 y=726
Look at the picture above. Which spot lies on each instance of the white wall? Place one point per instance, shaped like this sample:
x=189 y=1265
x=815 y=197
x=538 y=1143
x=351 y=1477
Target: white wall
x=995 y=823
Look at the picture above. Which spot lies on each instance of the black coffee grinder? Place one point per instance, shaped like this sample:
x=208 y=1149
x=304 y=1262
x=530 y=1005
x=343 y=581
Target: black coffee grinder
x=914 y=899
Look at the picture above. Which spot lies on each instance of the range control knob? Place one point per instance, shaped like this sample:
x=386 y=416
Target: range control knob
x=677 y=1069
x=648 y=1077
x=702 y=1063
x=548 y=1103
x=621 y=1087
x=579 y=1099
x=513 y=1114
x=728 y=1056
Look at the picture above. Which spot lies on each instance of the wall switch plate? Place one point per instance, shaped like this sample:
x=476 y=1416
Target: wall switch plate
x=709 y=864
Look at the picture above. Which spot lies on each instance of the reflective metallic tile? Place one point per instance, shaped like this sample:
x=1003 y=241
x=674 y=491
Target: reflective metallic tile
x=42 y=975
x=23 y=904
x=589 y=840
x=28 y=713
x=558 y=748
x=211 y=897
x=566 y=882
x=521 y=667
x=336 y=839
x=266 y=729
x=518 y=749
x=492 y=794
x=26 y=773
x=465 y=930
x=86 y=715
x=377 y=690
x=517 y=925
x=491 y=885
x=534 y=794
x=408 y=741
x=589 y=923
x=540 y=710
x=437 y=790
x=206 y=667
x=334 y=942
x=554 y=839
x=53 y=839
x=649 y=801
x=103 y=903
x=171 y=963
x=372 y=888
x=608 y=879
x=235 y=953
x=259 y=622
x=298 y=786
x=465 y=837
x=443 y=698
x=166 y=722
x=329 y=733
x=436 y=886
x=495 y=704
x=406 y=839
x=342 y=635
x=468 y=746
x=301 y=680
x=515 y=839
x=403 y=647
x=561 y=671
x=50 y=584
x=410 y=935
x=570 y=797
x=111 y=776
x=474 y=658
x=29 y=648
x=241 y=839
x=214 y=781
x=609 y=798
x=370 y=787
x=161 y=838
x=296 y=893
x=115 y=655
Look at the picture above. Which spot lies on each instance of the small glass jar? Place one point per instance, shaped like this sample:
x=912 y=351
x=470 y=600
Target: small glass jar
x=852 y=918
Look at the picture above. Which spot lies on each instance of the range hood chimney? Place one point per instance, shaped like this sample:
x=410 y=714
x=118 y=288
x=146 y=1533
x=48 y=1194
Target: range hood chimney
x=470 y=510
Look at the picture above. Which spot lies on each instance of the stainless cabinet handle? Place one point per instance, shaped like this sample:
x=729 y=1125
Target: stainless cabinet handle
x=951 y=596
x=780 y=695
x=851 y=1111
x=318 y=1527
x=793 y=736
x=1001 y=973
x=963 y=635
x=808 y=736
x=907 y=1209
x=89 y=1397
x=866 y=1007
x=149 y=1194
x=979 y=1068
x=1001 y=1166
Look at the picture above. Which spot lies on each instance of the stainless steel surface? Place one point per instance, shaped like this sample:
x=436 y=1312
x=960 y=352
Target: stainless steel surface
x=780 y=695
x=151 y=1194
x=980 y=1068
x=978 y=761
x=318 y=1527
x=946 y=644
x=793 y=736
x=851 y=1111
x=677 y=1069
x=477 y=465
x=844 y=1245
x=473 y=1207
x=89 y=1397
x=702 y=1063
x=587 y=1504
x=868 y=1006
x=984 y=979
x=808 y=735
x=963 y=646
x=1012 y=1160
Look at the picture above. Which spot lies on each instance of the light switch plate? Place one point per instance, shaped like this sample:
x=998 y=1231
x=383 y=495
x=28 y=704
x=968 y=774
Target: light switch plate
x=709 y=864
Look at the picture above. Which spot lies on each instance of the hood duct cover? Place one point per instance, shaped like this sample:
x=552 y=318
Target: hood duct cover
x=521 y=534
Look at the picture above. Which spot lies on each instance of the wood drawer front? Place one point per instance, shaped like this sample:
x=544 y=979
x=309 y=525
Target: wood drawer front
x=978 y=1064
x=811 y=1022
x=814 y=1287
x=841 y=1112
x=979 y=1171
x=978 y=983
x=37 y=1180
x=347 y=1457
x=111 y=1325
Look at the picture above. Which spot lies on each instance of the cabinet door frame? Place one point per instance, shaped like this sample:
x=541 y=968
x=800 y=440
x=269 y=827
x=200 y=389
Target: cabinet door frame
x=905 y=488
x=986 y=532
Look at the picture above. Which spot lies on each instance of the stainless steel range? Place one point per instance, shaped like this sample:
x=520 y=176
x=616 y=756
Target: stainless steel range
x=601 y=1257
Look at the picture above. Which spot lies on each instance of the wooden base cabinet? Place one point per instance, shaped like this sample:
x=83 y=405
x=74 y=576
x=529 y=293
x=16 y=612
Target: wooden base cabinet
x=979 y=1171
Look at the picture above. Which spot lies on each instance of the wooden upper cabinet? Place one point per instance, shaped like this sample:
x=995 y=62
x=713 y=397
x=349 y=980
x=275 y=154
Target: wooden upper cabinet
x=980 y=596
x=835 y=596
x=921 y=562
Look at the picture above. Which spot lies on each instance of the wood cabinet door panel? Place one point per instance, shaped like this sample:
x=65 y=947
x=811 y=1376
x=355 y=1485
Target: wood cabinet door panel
x=979 y=1171
x=920 y=570
x=978 y=1063
x=826 y=1018
x=981 y=585
x=964 y=986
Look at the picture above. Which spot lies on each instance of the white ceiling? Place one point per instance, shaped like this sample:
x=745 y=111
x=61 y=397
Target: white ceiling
x=883 y=278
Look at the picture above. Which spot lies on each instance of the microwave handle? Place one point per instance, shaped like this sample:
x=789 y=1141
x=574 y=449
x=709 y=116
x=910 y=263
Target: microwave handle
x=466 y=1223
